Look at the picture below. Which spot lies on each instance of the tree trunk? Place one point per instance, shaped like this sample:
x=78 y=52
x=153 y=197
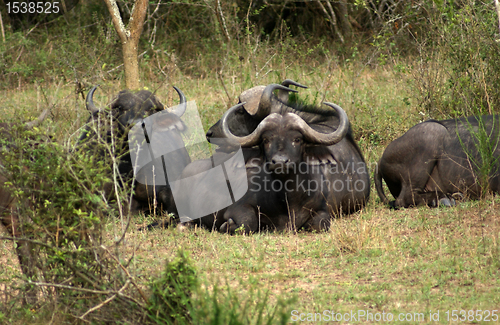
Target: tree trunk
x=131 y=64
x=129 y=37
x=343 y=18
x=9 y=218
x=1 y=27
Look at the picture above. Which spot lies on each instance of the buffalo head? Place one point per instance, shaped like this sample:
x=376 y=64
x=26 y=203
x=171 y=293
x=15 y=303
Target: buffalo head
x=258 y=103
x=301 y=168
x=277 y=193
x=283 y=138
x=130 y=108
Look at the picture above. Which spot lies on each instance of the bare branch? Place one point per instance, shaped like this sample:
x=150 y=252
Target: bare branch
x=105 y=301
x=332 y=18
x=152 y=37
x=62 y=286
x=117 y=20
x=219 y=74
x=222 y=21
x=130 y=278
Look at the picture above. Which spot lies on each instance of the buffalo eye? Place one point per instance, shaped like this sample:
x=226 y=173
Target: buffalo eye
x=265 y=141
x=297 y=140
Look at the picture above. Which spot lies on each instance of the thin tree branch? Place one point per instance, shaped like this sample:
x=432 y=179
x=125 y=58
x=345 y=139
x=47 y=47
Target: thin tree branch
x=497 y=6
x=62 y=286
x=332 y=18
x=117 y=20
x=126 y=272
x=105 y=301
x=219 y=74
x=222 y=21
x=334 y=22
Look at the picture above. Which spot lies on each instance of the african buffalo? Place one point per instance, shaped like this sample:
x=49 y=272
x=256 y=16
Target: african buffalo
x=246 y=117
x=208 y=195
x=128 y=109
x=243 y=121
x=9 y=214
x=436 y=161
x=306 y=166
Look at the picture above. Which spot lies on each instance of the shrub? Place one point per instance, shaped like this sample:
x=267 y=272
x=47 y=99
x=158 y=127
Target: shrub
x=458 y=68
x=177 y=297
x=62 y=210
x=172 y=293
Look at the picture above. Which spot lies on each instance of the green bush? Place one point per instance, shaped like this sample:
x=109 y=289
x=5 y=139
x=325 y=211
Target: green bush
x=62 y=211
x=172 y=293
x=458 y=68
x=177 y=297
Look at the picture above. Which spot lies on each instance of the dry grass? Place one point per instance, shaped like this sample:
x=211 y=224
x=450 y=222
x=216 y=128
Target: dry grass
x=411 y=260
x=379 y=259
x=408 y=260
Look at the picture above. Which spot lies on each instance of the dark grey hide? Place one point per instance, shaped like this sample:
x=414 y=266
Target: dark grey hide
x=296 y=179
x=436 y=161
x=195 y=171
x=126 y=110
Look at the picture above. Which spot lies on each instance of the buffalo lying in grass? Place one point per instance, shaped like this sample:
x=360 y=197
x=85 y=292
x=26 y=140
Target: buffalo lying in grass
x=128 y=109
x=436 y=161
x=302 y=164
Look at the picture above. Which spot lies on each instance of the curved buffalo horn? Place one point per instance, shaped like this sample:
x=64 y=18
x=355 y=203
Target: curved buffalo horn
x=181 y=108
x=89 y=101
x=252 y=139
x=32 y=124
x=316 y=137
x=282 y=94
x=266 y=102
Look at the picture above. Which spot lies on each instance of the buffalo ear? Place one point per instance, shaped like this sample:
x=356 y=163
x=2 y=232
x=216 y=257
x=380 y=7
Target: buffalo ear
x=251 y=97
x=156 y=106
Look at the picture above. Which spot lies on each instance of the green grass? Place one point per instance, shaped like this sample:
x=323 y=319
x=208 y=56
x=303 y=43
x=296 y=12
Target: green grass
x=379 y=260
x=413 y=260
